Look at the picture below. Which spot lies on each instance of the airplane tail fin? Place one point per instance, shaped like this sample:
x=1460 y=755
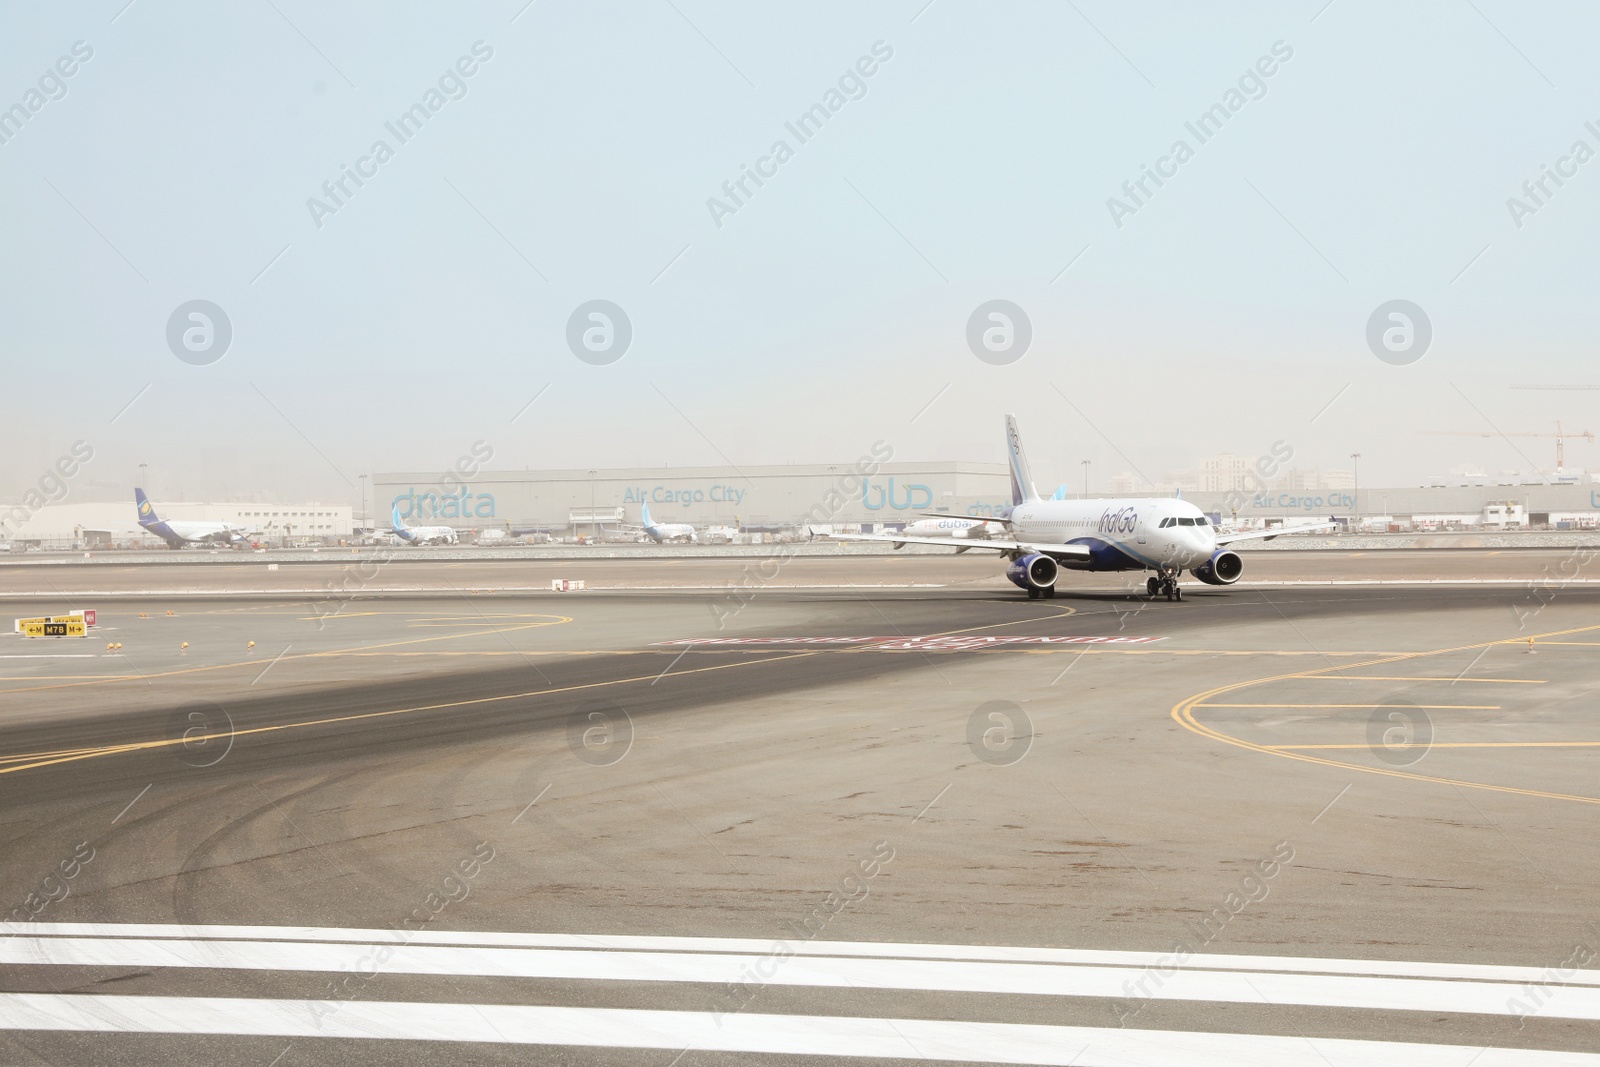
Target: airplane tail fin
x=396 y=521
x=1022 y=488
x=644 y=515
x=147 y=514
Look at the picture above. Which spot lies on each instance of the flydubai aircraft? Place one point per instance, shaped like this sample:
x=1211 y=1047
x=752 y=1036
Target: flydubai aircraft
x=422 y=535
x=179 y=532
x=666 y=531
x=948 y=527
x=1166 y=536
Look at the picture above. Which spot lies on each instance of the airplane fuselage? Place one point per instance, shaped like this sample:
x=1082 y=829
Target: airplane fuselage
x=671 y=531
x=954 y=527
x=1121 y=534
x=427 y=535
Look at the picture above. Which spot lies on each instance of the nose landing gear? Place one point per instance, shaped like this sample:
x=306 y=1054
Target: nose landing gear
x=1166 y=584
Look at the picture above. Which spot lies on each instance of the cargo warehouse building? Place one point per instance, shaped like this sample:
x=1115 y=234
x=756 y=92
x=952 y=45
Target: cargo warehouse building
x=770 y=496
x=785 y=496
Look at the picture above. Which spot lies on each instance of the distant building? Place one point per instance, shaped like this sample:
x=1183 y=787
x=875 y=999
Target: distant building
x=1226 y=473
x=1124 y=484
x=1301 y=481
x=1338 y=480
x=63 y=525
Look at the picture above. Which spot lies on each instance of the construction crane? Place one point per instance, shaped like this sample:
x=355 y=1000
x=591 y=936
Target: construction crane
x=1560 y=435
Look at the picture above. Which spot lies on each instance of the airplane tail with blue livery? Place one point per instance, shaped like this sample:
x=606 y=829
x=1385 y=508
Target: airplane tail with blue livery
x=1022 y=489
x=149 y=520
x=1166 y=536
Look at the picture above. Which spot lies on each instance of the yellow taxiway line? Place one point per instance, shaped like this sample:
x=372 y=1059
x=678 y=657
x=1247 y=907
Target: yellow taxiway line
x=1183 y=714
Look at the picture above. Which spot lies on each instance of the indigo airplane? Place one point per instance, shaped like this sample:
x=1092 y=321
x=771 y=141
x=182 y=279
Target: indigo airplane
x=1164 y=535
x=179 y=532
x=421 y=535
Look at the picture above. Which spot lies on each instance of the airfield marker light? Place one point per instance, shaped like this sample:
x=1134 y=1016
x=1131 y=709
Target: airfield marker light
x=185 y=645
x=1530 y=646
x=252 y=644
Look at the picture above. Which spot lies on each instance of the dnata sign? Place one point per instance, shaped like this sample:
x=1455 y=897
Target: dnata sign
x=433 y=505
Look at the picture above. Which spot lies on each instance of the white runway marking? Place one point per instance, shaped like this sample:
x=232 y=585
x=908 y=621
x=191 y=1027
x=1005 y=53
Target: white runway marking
x=860 y=1038
x=736 y=945
x=717 y=963
x=1194 y=981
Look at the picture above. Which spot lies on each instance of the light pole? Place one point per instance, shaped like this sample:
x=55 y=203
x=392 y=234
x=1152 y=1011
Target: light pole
x=1085 y=478
x=144 y=475
x=363 y=479
x=1355 y=491
x=594 y=522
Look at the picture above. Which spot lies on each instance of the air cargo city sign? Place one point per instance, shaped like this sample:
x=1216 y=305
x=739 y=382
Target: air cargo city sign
x=682 y=495
x=1306 y=502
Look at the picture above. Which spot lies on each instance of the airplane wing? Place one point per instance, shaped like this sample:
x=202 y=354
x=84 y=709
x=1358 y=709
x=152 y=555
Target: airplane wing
x=1267 y=535
x=981 y=544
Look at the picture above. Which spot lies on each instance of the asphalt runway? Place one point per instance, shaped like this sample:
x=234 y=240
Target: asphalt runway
x=1297 y=824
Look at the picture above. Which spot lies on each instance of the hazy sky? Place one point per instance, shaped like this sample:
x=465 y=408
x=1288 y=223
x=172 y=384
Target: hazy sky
x=420 y=312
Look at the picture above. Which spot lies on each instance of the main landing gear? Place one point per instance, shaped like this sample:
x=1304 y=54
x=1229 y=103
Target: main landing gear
x=1166 y=584
x=1048 y=592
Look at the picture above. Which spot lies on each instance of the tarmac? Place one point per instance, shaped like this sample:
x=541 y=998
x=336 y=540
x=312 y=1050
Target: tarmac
x=864 y=810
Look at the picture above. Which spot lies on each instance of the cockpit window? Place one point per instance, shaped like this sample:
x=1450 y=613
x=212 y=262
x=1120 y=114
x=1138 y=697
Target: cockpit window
x=1165 y=523
x=1185 y=521
x=1202 y=521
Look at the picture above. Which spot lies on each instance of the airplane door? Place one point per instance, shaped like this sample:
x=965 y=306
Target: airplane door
x=1146 y=520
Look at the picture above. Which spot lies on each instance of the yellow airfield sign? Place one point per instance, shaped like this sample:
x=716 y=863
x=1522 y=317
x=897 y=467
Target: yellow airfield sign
x=53 y=626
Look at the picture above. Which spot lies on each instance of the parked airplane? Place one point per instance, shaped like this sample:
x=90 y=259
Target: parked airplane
x=660 y=532
x=179 y=532
x=957 y=528
x=422 y=535
x=1167 y=536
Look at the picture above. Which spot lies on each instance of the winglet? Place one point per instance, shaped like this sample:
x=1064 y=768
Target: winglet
x=1022 y=489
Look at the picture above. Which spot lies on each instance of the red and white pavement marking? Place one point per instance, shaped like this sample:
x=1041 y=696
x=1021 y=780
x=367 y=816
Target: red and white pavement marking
x=926 y=642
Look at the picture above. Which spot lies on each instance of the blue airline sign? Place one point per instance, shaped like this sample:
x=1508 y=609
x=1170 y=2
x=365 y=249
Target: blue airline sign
x=433 y=505
x=916 y=496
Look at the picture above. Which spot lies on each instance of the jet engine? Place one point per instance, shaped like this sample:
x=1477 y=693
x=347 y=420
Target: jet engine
x=1223 y=568
x=1035 y=571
